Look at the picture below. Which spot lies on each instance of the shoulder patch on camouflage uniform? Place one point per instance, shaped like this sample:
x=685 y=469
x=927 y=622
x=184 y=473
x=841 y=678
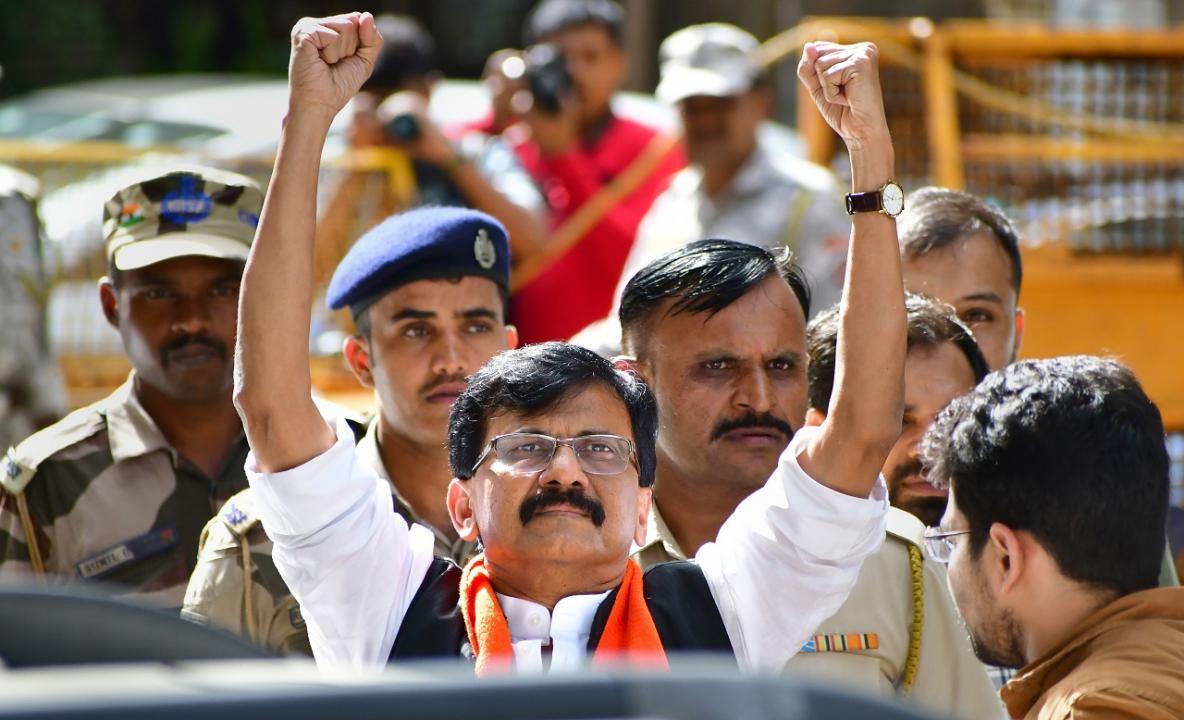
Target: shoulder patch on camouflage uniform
x=238 y=514
x=22 y=461
x=905 y=526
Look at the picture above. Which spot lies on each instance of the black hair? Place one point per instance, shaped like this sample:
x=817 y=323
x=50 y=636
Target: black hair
x=553 y=16
x=930 y=323
x=937 y=217
x=408 y=53
x=532 y=380
x=1069 y=449
x=705 y=276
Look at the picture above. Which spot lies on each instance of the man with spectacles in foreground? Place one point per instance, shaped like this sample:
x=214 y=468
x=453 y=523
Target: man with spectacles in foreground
x=555 y=584
x=1069 y=596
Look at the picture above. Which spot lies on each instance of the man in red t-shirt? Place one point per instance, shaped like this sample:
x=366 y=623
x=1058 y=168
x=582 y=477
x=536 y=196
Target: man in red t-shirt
x=572 y=153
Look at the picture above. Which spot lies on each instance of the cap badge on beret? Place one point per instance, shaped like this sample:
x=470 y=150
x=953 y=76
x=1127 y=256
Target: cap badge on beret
x=483 y=250
x=186 y=204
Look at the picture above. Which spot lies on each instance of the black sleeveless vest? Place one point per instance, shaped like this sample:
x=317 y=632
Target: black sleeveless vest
x=676 y=594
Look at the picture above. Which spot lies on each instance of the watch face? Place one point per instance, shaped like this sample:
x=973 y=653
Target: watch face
x=892 y=199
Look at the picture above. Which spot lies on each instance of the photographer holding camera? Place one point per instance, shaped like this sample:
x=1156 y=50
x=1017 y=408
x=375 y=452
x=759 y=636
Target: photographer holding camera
x=577 y=146
x=475 y=170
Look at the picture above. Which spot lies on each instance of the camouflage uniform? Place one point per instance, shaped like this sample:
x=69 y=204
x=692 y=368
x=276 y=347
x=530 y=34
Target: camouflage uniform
x=234 y=546
x=30 y=384
x=109 y=500
x=101 y=496
x=866 y=644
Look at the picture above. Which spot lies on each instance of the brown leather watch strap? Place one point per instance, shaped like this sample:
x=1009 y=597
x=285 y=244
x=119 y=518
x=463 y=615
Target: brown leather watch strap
x=864 y=202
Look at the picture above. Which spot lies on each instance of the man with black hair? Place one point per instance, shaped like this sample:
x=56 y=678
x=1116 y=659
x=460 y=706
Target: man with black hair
x=552 y=452
x=718 y=330
x=964 y=251
x=427 y=290
x=574 y=154
x=1069 y=595
x=450 y=167
x=118 y=491
x=943 y=362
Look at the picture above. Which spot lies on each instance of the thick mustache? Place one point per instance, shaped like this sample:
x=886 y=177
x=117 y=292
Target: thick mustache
x=442 y=380
x=912 y=468
x=752 y=420
x=184 y=341
x=550 y=497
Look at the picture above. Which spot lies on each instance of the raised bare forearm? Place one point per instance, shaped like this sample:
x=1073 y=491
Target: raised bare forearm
x=863 y=420
x=273 y=386
x=273 y=381
x=865 y=409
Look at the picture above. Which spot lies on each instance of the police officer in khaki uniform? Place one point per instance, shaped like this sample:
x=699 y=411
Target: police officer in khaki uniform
x=718 y=330
x=427 y=291
x=922 y=649
x=116 y=493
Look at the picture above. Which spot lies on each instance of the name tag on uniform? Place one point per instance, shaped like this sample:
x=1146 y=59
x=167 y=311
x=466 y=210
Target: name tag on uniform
x=838 y=642
x=128 y=551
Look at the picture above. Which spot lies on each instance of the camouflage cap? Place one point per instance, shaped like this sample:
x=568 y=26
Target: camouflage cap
x=189 y=211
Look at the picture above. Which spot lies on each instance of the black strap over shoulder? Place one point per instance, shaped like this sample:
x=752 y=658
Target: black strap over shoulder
x=433 y=626
x=683 y=609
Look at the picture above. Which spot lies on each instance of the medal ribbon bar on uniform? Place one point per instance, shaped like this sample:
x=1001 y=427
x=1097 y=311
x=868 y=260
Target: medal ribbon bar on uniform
x=839 y=642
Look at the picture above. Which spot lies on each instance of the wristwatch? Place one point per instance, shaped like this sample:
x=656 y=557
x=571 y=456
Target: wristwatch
x=889 y=199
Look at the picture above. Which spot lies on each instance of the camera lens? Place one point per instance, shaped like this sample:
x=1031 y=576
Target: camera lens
x=403 y=127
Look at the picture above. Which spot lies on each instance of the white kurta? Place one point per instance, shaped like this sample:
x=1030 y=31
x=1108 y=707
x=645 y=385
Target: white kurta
x=783 y=562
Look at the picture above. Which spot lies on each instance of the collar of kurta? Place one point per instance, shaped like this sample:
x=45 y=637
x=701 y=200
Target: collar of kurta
x=629 y=634
x=1023 y=691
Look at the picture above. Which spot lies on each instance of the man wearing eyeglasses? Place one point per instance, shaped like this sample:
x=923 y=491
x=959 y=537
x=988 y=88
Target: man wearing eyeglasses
x=1068 y=596
x=557 y=509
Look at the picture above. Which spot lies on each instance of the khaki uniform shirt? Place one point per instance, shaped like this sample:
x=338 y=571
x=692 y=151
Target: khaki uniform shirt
x=1126 y=660
x=879 y=611
x=264 y=610
x=111 y=502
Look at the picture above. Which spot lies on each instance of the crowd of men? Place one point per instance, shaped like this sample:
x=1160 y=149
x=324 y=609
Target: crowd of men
x=783 y=421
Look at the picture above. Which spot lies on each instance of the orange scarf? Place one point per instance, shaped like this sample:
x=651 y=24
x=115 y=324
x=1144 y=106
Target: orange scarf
x=629 y=633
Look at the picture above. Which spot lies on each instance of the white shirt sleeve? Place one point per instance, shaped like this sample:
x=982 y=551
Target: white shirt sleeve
x=351 y=562
x=787 y=558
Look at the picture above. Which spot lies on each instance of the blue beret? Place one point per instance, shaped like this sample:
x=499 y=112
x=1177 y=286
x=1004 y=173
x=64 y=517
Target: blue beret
x=420 y=244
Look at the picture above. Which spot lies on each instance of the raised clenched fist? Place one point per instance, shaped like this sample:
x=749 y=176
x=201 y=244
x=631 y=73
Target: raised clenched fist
x=844 y=81
x=331 y=58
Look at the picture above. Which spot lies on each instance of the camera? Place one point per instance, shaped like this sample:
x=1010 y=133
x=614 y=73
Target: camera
x=547 y=76
x=404 y=127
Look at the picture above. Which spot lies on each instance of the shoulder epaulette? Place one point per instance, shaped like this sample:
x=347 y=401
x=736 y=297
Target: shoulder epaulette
x=21 y=462
x=238 y=514
x=906 y=526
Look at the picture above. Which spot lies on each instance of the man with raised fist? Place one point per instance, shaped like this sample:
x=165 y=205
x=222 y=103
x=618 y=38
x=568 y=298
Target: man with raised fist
x=552 y=451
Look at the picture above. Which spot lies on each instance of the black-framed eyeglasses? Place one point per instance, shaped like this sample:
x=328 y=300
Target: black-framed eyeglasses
x=940 y=543
x=532 y=452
